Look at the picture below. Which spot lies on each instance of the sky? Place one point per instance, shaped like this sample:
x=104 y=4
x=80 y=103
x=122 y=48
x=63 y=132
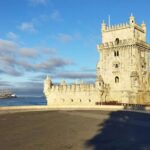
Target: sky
x=57 y=38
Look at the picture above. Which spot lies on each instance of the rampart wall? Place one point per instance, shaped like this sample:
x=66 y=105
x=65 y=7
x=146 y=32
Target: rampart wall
x=75 y=94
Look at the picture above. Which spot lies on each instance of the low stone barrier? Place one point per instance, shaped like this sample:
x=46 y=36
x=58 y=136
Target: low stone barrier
x=14 y=109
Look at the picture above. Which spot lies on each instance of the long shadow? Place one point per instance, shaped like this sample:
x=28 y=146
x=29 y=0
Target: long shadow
x=122 y=131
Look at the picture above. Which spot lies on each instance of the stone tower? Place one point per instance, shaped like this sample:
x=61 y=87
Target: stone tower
x=124 y=64
x=47 y=85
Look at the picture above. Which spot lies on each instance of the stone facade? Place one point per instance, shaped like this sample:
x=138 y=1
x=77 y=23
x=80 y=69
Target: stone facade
x=122 y=70
x=74 y=94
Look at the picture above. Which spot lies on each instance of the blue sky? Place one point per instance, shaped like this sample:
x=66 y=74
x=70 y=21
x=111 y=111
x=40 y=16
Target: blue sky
x=56 y=37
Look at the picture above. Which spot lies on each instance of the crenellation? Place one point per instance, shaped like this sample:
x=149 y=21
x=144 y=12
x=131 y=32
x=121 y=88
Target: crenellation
x=122 y=71
x=72 y=88
x=117 y=27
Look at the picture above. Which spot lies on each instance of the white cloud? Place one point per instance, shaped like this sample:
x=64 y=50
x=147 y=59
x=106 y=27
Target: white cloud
x=12 y=36
x=27 y=26
x=49 y=50
x=63 y=37
x=38 y=2
x=7 y=46
x=55 y=15
x=28 y=52
x=16 y=61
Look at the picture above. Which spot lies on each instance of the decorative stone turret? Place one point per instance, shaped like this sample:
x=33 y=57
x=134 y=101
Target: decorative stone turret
x=103 y=27
x=132 y=20
x=47 y=84
x=143 y=25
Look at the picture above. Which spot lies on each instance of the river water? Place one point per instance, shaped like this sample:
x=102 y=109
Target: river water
x=23 y=101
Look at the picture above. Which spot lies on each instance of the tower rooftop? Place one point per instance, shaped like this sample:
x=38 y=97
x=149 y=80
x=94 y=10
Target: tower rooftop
x=129 y=24
x=124 y=31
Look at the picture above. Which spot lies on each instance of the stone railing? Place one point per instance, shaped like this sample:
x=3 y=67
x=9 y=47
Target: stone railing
x=113 y=44
x=118 y=26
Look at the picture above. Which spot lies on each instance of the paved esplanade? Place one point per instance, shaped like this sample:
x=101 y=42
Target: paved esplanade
x=75 y=130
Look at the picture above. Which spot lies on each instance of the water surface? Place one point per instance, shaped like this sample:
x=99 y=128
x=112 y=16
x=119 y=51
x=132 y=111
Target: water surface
x=23 y=101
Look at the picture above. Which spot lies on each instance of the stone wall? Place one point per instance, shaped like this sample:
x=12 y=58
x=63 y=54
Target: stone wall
x=90 y=95
x=74 y=94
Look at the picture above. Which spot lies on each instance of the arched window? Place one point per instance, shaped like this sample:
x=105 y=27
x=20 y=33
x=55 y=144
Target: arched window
x=116 y=79
x=117 y=53
x=116 y=65
x=117 y=41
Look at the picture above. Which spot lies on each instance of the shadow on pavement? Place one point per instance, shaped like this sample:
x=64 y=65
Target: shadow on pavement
x=122 y=131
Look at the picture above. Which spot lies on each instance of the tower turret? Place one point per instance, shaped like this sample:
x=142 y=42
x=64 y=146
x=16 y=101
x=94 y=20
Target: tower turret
x=103 y=26
x=47 y=84
x=123 y=60
x=132 y=20
x=143 y=25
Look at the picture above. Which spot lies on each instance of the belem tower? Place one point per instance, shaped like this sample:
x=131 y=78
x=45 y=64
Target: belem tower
x=122 y=72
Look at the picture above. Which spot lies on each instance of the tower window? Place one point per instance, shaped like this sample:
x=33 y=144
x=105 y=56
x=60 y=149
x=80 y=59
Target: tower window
x=117 y=53
x=116 y=79
x=117 y=41
x=116 y=65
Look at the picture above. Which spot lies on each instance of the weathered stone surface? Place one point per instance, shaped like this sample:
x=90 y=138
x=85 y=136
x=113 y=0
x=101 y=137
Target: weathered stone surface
x=122 y=70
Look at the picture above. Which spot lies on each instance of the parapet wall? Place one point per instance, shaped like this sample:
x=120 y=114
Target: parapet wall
x=118 y=26
x=75 y=94
x=123 y=26
x=72 y=88
x=90 y=95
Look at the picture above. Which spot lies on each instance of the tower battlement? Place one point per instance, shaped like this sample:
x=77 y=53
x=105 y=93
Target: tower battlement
x=116 y=27
x=123 y=26
x=123 y=31
x=124 y=42
x=130 y=24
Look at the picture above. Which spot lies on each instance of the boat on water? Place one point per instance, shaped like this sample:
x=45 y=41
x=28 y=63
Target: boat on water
x=7 y=94
x=13 y=95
